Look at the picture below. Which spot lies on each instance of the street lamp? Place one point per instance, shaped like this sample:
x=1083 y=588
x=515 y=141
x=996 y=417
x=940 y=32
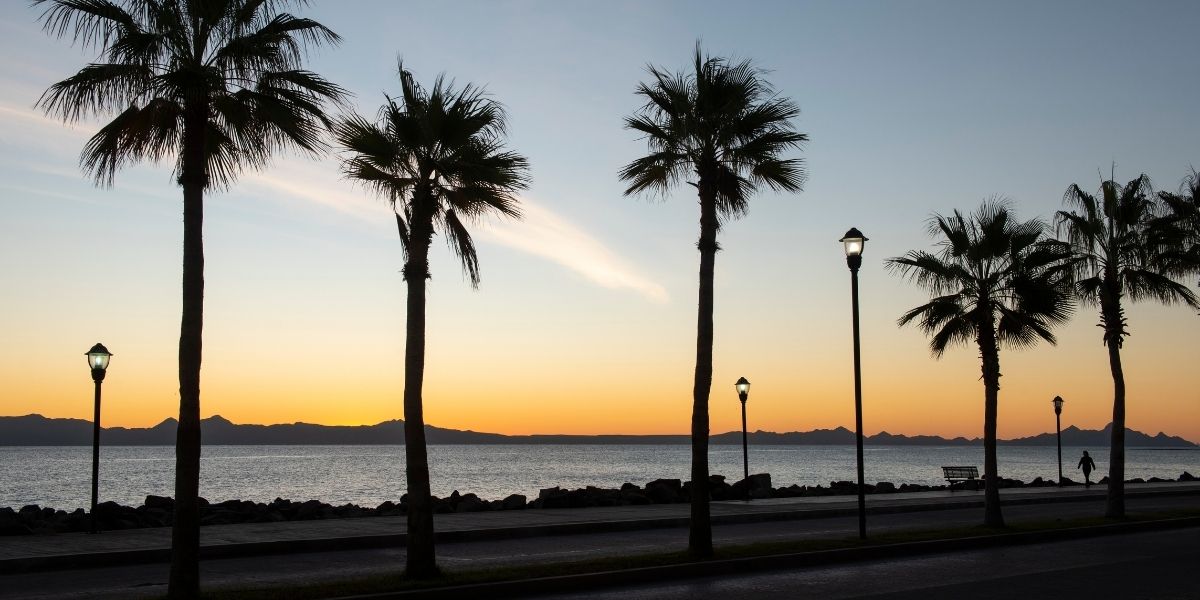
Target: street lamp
x=98 y=358
x=743 y=390
x=1058 y=402
x=854 y=242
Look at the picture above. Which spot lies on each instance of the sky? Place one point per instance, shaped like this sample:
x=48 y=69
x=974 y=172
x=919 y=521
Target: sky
x=585 y=318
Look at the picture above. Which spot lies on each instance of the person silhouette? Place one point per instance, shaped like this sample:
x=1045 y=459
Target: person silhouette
x=1087 y=464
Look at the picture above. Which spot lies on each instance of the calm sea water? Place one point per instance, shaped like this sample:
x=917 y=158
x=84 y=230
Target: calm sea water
x=60 y=477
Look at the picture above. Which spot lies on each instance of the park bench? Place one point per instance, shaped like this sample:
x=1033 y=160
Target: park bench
x=959 y=474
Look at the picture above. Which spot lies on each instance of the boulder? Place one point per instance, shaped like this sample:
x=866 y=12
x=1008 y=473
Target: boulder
x=757 y=485
x=1187 y=477
x=10 y=523
x=159 y=502
x=665 y=491
x=470 y=503
x=634 y=497
x=513 y=502
x=554 y=497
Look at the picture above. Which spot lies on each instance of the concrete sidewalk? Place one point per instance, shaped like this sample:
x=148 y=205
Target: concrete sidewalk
x=132 y=546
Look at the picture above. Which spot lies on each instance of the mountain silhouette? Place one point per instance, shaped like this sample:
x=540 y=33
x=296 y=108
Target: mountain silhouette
x=36 y=430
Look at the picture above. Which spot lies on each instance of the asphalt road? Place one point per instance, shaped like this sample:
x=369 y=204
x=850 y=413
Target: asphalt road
x=1152 y=566
x=147 y=581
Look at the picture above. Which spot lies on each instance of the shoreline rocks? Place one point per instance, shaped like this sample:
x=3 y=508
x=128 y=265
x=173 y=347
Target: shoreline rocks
x=159 y=511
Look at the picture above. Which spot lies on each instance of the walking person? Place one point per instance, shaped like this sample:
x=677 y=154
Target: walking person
x=1087 y=464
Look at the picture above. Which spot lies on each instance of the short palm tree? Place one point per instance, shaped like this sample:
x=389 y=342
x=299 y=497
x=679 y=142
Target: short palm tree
x=438 y=157
x=1112 y=236
x=722 y=129
x=218 y=87
x=996 y=282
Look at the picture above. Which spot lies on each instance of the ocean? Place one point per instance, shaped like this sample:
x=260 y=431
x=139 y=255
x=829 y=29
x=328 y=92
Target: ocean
x=60 y=477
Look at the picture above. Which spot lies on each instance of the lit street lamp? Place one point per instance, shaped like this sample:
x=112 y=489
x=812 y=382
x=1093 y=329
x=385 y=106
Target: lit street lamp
x=854 y=242
x=1058 y=402
x=743 y=390
x=98 y=360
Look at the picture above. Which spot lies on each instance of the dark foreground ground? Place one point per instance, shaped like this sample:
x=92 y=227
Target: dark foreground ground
x=1159 y=564
x=1140 y=566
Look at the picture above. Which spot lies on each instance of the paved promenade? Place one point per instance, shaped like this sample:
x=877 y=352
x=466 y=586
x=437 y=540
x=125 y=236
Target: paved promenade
x=134 y=546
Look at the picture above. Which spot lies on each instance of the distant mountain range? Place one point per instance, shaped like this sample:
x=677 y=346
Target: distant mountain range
x=36 y=430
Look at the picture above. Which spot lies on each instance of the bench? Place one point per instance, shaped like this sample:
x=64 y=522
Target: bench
x=959 y=474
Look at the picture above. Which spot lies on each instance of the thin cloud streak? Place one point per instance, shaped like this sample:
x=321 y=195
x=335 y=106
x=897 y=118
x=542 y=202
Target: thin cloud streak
x=540 y=232
x=547 y=235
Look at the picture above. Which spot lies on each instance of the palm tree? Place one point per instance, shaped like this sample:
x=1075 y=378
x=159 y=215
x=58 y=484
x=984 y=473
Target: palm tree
x=996 y=282
x=1112 y=237
x=723 y=125
x=1178 y=231
x=438 y=157
x=217 y=86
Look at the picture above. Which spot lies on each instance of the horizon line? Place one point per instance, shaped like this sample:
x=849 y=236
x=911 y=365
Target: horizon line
x=517 y=435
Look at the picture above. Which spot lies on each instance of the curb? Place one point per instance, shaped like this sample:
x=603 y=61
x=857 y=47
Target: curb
x=160 y=555
x=734 y=566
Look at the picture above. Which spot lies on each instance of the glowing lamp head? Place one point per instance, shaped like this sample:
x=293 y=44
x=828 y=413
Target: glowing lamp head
x=854 y=242
x=743 y=388
x=1058 y=402
x=98 y=358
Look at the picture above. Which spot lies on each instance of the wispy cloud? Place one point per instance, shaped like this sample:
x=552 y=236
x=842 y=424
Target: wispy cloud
x=547 y=235
x=541 y=232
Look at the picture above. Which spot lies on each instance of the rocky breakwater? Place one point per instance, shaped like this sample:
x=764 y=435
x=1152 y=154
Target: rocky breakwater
x=158 y=511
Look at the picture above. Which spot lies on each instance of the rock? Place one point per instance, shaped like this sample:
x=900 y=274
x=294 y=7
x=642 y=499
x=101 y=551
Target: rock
x=1187 y=477
x=554 y=497
x=10 y=523
x=757 y=486
x=630 y=487
x=885 y=487
x=665 y=491
x=470 y=503
x=634 y=497
x=1135 y=480
x=308 y=511
x=1157 y=480
x=159 y=502
x=513 y=502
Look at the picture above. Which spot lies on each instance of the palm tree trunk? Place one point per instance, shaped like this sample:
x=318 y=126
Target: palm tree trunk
x=990 y=354
x=184 y=580
x=1115 y=507
x=700 y=530
x=420 y=559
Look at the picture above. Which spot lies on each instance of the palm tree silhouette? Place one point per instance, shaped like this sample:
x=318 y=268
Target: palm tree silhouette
x=723 y=125
x=438 y=157
x=218 y=86
x=996 y=282
x=1112 y=237
x=1178 y=231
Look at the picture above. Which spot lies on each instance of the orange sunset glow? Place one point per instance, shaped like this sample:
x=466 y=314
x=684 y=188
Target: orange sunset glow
x=585 y=319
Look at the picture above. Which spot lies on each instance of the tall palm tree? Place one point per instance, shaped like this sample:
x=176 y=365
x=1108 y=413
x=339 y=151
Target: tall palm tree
x=218 y=87
x=722 y=129
x=1178 y=231
x=1112 y=237
x=996 y=282
x=438 y=157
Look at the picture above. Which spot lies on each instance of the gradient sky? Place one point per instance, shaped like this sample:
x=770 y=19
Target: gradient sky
x=585 y=318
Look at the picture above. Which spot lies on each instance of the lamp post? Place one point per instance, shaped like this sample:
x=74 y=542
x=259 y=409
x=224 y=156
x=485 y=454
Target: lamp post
x=854 y=241
x=98 y=360
x=743 y=390
x=1058 y=402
